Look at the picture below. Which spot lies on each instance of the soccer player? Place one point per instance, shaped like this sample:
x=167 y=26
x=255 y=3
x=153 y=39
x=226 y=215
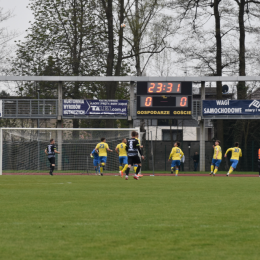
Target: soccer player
x=94 y=154
x=132 y=148
x=236 y=153
x=121 y=151
x=217 y=158
x=50 y=151
x=102 y=148
x=176 y=155
x=138 y=140
x=135 y=166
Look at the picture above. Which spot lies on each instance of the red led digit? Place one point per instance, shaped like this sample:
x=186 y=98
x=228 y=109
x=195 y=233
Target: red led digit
x=150 y=90
x=183 y=101
x=148 y=101
x=179 y=86
x=159 y=89
x=170 y=88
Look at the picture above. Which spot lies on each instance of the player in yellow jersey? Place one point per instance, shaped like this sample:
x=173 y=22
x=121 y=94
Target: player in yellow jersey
x=121 y=151
x=102 y=149
x=217 y=158
x=135 y=166
x=176 y=155
x=236 y=153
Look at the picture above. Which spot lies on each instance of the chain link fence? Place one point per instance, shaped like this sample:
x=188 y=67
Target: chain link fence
x=162 y=150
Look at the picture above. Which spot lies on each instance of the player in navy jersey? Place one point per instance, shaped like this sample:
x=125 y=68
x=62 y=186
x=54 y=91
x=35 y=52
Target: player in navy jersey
x=50 y=151
x=132 y=149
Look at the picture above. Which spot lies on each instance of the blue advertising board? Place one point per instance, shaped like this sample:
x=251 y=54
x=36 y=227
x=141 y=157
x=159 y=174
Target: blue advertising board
x=83 y=107
x=231 y=107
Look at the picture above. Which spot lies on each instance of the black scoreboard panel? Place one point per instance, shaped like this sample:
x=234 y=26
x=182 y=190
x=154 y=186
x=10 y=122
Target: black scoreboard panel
x=164 y=99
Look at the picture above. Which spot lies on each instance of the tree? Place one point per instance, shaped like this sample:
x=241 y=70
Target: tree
x=5 y=38
x=64 y=39
x=204 y=45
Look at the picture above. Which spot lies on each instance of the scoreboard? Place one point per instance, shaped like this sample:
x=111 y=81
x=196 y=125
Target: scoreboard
x=164 y=100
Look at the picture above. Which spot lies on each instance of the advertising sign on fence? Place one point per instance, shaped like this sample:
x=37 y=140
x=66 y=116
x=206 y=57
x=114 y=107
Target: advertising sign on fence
x=1 y=109
x=83 y=107
x=231 y=107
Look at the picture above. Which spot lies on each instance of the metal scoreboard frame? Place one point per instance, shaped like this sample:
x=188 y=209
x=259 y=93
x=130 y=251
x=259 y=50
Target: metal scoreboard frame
x=165 y=99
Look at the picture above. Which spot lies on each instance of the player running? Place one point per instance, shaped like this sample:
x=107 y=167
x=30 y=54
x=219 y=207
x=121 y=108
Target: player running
x=132 y=148
x=102 y=149
x=236 y=153
x=121 y=151
x=176 y=155
x=217 y=158
x=94 y=155
x=50 y=152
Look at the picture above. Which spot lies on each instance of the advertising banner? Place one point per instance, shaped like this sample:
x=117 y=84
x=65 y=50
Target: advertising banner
x=1 y=108
x=83 y=107
x=231 y=107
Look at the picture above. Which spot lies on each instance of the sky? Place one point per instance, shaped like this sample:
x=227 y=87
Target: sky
x=21 y=16
x=19 y=22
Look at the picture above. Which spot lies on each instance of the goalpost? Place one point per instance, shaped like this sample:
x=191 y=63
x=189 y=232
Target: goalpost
x=22 y=149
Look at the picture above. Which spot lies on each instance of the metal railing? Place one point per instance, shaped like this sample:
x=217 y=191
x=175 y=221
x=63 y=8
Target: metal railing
x=196 y=109
x=30 y=108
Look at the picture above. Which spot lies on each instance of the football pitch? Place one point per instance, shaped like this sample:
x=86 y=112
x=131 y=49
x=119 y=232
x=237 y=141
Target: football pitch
x=94 y=217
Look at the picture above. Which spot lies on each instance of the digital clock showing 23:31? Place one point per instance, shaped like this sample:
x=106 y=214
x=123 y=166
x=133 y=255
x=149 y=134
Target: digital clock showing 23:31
x=164 y=99
x=163 y=87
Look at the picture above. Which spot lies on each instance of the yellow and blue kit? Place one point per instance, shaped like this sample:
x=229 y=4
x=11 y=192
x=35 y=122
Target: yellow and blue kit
x=122 y=153
x=176 y=155
x=102 y=148
x=216 y=162
x=236 y=153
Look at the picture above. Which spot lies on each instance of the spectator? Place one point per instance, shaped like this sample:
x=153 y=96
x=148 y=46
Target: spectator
x=196 y=159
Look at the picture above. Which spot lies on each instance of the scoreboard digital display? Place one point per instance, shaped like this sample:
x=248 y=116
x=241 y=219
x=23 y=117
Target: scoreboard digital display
x=164 y=99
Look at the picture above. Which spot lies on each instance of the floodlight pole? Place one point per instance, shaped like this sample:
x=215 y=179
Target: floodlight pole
x=59 y=125
x=202 y=130
x=152 y=151
x=131 y=105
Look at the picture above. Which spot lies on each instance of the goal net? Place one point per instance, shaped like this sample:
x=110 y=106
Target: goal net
x=22 y=150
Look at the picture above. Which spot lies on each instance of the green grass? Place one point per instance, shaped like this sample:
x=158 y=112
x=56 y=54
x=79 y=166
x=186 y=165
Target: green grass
x=116 y=172
x=198 y=172
x=93 y=217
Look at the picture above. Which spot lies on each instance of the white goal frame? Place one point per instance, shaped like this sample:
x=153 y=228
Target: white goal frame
x=137 y=129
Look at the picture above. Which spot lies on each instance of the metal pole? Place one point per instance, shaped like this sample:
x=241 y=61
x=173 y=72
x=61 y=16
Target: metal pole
x=87 y=164
x=165 y=157
x=59 y=125
x=1 y=151
x=38 y=126
x=253 y=157
x=202 y=130
x=152 y=152
x=189 y=155
x=132 y=97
